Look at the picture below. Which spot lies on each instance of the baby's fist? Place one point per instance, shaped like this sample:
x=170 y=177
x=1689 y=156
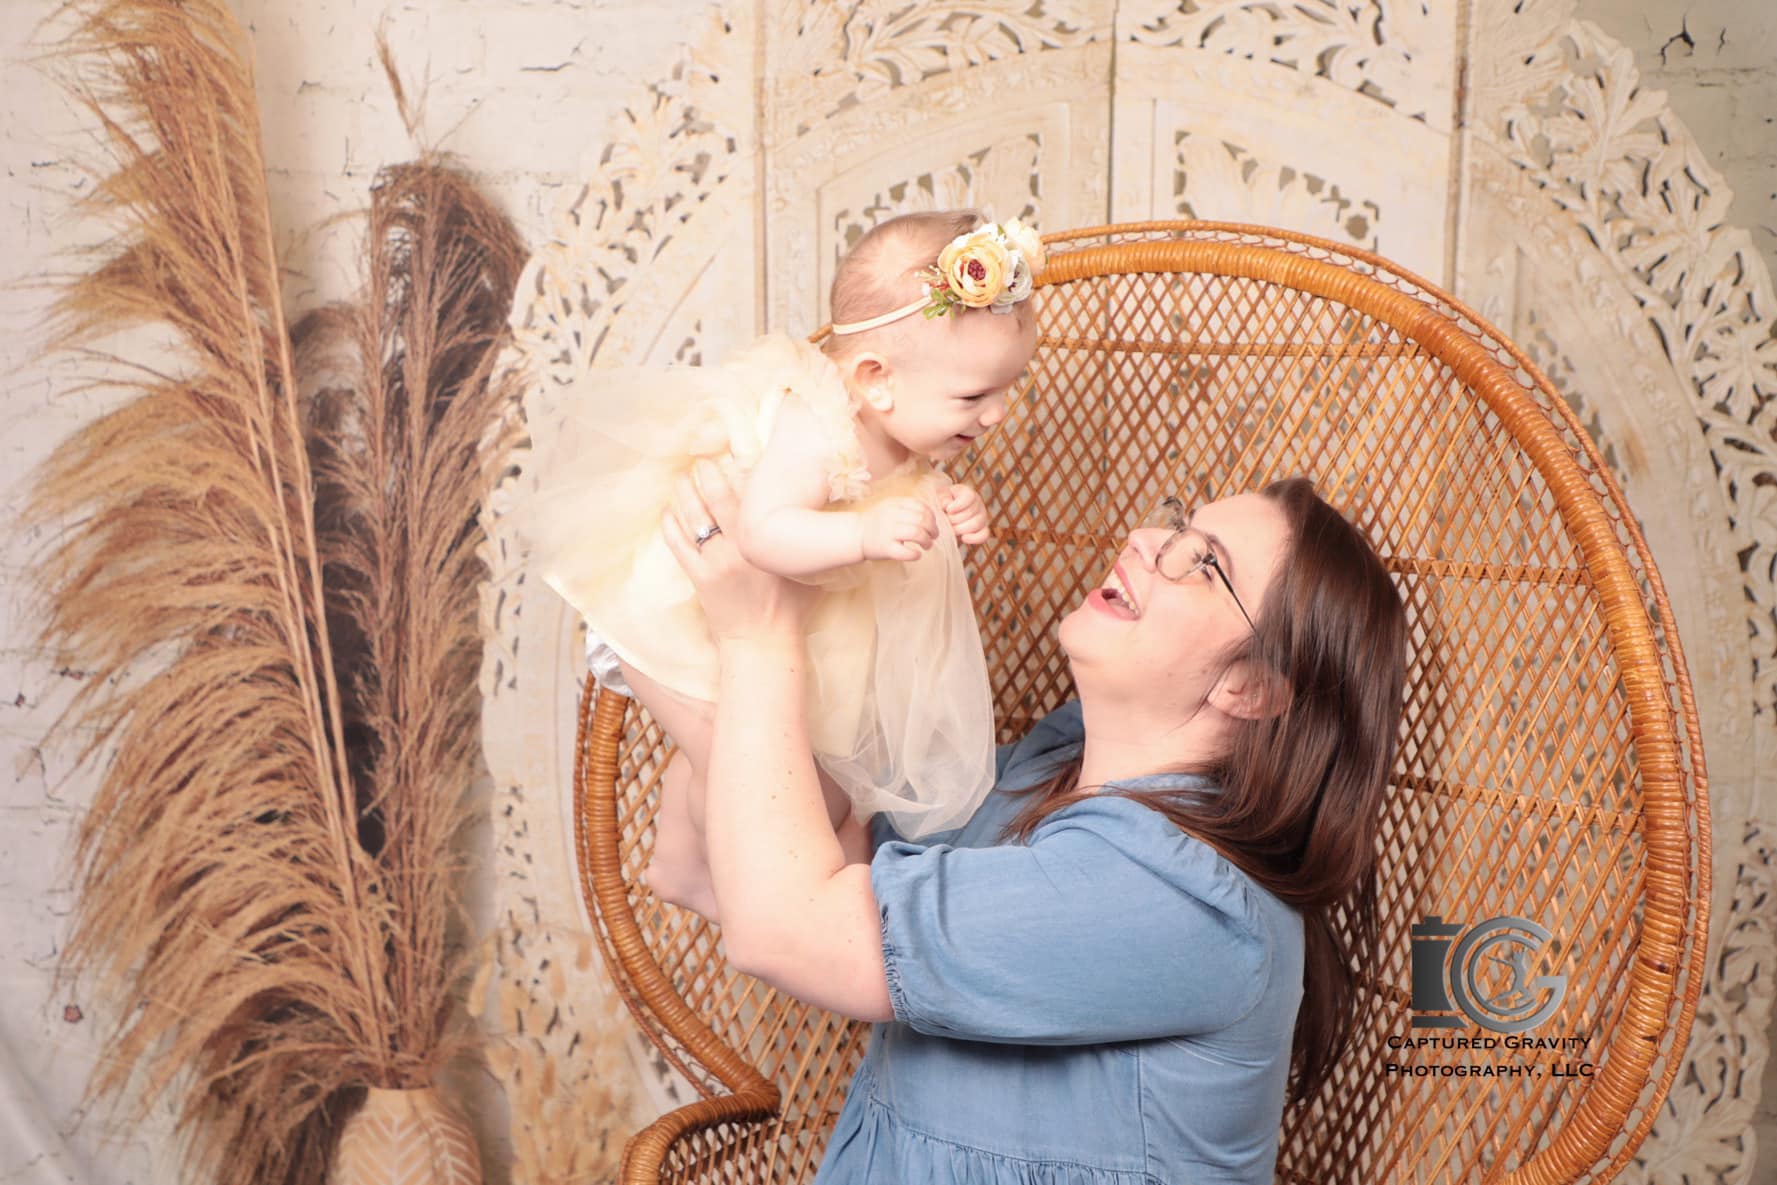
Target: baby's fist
x=897 y=529
x=967 y=514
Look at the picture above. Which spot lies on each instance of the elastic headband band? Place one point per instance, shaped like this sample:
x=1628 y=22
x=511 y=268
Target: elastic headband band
x=991 y=267
x=906 y=310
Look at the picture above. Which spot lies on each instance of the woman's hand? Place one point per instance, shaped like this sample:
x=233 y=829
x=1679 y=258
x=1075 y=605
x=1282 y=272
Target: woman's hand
x=741 y=602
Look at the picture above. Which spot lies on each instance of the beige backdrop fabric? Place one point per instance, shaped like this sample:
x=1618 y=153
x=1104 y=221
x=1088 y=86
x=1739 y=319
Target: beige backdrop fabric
x=688 y=179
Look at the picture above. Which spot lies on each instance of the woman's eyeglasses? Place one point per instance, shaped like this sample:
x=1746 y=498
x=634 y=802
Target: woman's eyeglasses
x=1187 y=551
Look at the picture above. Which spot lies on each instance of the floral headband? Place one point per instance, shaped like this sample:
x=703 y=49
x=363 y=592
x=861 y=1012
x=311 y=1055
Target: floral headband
x=988 y=268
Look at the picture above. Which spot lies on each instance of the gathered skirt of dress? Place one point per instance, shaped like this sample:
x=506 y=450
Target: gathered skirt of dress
x=900 y=711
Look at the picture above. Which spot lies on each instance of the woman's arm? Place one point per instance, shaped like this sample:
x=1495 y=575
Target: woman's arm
x=794 y=913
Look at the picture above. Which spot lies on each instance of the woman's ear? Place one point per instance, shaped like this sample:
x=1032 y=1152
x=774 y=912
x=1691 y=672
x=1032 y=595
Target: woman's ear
x=1250 y=690
x=868 y=373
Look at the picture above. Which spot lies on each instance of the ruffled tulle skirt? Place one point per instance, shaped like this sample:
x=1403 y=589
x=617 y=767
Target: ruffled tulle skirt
x=900 y=710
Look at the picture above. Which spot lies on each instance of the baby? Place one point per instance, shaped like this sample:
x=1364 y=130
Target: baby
x=832 y=449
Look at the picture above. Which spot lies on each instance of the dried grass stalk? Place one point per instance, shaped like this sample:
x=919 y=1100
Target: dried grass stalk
x=397 y=438
x=268 y=899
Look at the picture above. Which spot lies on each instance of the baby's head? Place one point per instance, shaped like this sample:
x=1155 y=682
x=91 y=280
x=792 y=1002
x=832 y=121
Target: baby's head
x=934 y=383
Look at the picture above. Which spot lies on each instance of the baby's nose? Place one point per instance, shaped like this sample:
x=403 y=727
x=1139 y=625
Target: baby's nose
x=996 y=411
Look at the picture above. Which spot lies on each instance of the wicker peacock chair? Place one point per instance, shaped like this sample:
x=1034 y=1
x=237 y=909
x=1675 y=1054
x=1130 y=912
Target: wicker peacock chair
x=1549 y=766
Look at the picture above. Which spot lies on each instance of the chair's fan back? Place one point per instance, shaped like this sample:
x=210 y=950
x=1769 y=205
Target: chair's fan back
x=1548 y=771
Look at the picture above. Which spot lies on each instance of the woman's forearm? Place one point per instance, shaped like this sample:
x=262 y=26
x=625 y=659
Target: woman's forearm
x=793 y=912
x=770 y=841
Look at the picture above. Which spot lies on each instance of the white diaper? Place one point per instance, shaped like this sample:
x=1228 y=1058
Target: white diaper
x=602 y=662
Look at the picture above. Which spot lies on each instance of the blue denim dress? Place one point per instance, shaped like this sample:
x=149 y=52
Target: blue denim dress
x=1111 y=1003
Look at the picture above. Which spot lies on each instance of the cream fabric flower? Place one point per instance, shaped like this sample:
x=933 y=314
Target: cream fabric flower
x=1025 y=241
x=1021 y=283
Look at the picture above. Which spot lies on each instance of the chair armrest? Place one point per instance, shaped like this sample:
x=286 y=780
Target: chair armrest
x=648 y=1157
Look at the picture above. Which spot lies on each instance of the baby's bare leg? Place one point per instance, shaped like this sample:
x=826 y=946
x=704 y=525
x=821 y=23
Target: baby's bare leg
x=854 y=835
x=854 y=841
x=678 y=872
x=838 y=804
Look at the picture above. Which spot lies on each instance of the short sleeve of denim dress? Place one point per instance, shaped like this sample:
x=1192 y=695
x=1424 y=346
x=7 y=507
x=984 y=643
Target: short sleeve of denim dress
x=1109 y=1003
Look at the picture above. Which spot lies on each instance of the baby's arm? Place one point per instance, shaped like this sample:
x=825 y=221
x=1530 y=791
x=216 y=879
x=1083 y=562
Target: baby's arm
x=782 y=527
x=967 y=514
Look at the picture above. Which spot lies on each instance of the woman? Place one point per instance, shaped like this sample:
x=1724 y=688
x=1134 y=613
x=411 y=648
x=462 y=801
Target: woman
x=1109 y=976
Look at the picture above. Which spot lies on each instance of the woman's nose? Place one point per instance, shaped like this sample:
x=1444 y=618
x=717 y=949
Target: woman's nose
x=1145 y=543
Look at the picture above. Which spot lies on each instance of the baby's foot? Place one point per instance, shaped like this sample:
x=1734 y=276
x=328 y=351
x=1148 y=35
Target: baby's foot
x=688 y=887
x=679 y=872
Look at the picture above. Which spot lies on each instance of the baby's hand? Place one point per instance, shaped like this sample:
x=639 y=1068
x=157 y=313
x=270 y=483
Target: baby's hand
x=897 y=529
x=967 y=514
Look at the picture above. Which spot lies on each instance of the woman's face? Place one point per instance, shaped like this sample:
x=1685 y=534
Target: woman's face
x=1142 y=638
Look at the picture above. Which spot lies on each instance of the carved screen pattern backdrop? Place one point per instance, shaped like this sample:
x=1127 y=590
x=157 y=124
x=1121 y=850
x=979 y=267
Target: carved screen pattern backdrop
x=1572 y=209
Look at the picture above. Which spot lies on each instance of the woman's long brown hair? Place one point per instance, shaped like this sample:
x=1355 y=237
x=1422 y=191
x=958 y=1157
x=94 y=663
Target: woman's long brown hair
x=1300 y=796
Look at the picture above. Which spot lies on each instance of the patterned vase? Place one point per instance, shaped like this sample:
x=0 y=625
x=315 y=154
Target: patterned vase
x=406 y=1137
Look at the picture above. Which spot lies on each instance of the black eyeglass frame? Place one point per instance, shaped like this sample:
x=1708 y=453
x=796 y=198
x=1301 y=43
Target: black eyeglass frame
x=1176 y=509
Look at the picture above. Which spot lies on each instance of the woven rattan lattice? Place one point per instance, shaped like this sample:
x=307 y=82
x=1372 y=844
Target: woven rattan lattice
x=1549 y=767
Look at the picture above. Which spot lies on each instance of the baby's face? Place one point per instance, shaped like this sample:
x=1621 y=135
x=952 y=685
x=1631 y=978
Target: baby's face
x=951 y=380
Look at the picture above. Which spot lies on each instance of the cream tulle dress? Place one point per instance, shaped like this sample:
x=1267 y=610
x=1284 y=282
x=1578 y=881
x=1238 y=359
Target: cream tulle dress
x=900 y=711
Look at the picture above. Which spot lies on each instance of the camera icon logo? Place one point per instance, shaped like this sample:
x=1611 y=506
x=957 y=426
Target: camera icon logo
x=1487 y=978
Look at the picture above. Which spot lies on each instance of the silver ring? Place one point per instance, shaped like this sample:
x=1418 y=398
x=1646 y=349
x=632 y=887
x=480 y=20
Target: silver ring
x=705 y=535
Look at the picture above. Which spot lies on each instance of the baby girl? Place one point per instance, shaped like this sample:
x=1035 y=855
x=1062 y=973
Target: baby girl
x=833 y=449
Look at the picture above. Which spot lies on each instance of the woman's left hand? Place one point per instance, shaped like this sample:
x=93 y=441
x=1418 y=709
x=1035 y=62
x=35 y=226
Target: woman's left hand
x=742 y=602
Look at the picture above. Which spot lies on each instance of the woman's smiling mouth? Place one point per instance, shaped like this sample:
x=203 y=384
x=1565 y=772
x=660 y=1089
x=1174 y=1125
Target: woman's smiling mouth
x=1115 y=597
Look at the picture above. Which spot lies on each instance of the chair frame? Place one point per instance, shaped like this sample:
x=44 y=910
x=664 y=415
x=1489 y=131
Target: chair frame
x=1666 y=969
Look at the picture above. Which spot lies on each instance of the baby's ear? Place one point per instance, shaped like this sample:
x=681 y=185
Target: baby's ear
x=867 y=374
